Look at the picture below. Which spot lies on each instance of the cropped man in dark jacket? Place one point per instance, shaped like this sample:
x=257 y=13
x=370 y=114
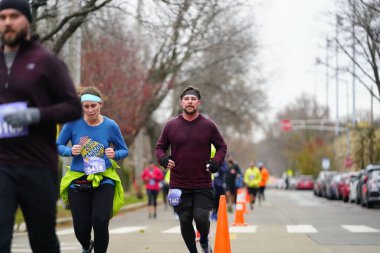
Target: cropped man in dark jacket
x=36 y=93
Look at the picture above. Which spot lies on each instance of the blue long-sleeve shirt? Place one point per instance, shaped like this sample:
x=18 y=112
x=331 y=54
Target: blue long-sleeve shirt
x=94 y=140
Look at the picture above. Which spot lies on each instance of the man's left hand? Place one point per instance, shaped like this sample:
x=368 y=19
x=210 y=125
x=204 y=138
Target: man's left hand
x=23 y=118
x=212 y=166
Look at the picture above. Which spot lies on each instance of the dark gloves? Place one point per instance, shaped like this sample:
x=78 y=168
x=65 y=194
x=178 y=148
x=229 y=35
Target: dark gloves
x=212 y=166
x=24 y=117
x=164 y=161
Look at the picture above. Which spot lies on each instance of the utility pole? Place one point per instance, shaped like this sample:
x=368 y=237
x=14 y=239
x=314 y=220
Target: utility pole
x=348 y=153
x=327 y=71
x=338 y=23
x=353 y=2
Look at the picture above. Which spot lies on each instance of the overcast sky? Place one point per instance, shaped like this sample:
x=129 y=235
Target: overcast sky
x=292 y=34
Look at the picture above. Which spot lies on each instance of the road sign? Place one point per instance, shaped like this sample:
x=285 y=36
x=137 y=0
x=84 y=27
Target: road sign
x=326 y=163
x=348 y=162
x=286 y=125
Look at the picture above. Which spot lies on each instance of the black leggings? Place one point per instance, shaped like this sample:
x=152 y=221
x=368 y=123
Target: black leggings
x=92 y=209
x=35 y=190
x=196 y=205
x=201 y=218
x=152 y=197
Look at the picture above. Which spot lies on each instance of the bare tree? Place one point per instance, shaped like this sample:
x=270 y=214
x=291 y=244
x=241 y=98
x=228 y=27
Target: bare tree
x=364 y=17
x=175 y=39
x=231 y=90
x=57 y=20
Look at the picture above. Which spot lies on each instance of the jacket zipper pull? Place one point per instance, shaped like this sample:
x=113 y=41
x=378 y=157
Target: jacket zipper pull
x=7 y=83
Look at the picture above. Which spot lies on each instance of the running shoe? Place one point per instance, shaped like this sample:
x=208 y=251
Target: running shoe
x=214 y=216
x=206 y=248
x=89 y=250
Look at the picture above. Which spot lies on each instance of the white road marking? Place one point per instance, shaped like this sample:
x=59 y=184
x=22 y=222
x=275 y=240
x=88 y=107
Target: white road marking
x=245 y=229
x=360 y=229
x=300 y=229
x=68 y=231
x=174 y=230
x=125 y=230
x=64 y=246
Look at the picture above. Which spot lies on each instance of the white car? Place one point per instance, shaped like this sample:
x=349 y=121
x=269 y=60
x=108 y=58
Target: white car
x=353 y=186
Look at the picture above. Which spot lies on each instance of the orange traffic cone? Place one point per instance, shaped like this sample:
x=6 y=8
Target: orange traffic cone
x=222 y=237
x=239 y=215
x=240 y=209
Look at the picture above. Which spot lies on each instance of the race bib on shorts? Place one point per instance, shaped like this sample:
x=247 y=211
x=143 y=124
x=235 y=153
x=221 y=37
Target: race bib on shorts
x=174 y=197
x=7 y=131
x=93 y=165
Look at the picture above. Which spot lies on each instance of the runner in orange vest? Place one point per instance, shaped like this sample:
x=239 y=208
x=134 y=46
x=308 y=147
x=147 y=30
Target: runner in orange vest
x=264 y=179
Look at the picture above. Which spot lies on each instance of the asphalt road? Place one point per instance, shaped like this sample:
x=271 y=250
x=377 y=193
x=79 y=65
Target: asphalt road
x=287 y=222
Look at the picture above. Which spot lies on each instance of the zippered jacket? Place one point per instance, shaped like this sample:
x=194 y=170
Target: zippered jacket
x=152 y=178
x=40 y=79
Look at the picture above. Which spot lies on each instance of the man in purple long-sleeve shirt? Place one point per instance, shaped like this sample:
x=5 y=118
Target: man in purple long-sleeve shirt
x=36 y=93
x=189 y=137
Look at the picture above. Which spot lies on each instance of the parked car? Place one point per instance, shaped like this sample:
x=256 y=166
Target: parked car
x=362 y=179
x=359 y=186
x=317 y=188
x=353 y=185
x=331 y=186
x=344 y=187
x=305 y=182
x=371 y=187
x=320 y=182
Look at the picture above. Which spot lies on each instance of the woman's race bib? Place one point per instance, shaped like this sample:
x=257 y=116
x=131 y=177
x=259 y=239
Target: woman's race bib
x=152 y=181
x=174 y=197
x=93 y=165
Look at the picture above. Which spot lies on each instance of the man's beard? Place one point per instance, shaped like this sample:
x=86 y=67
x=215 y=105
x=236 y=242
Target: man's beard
x=194 y=111
x=16 y=40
